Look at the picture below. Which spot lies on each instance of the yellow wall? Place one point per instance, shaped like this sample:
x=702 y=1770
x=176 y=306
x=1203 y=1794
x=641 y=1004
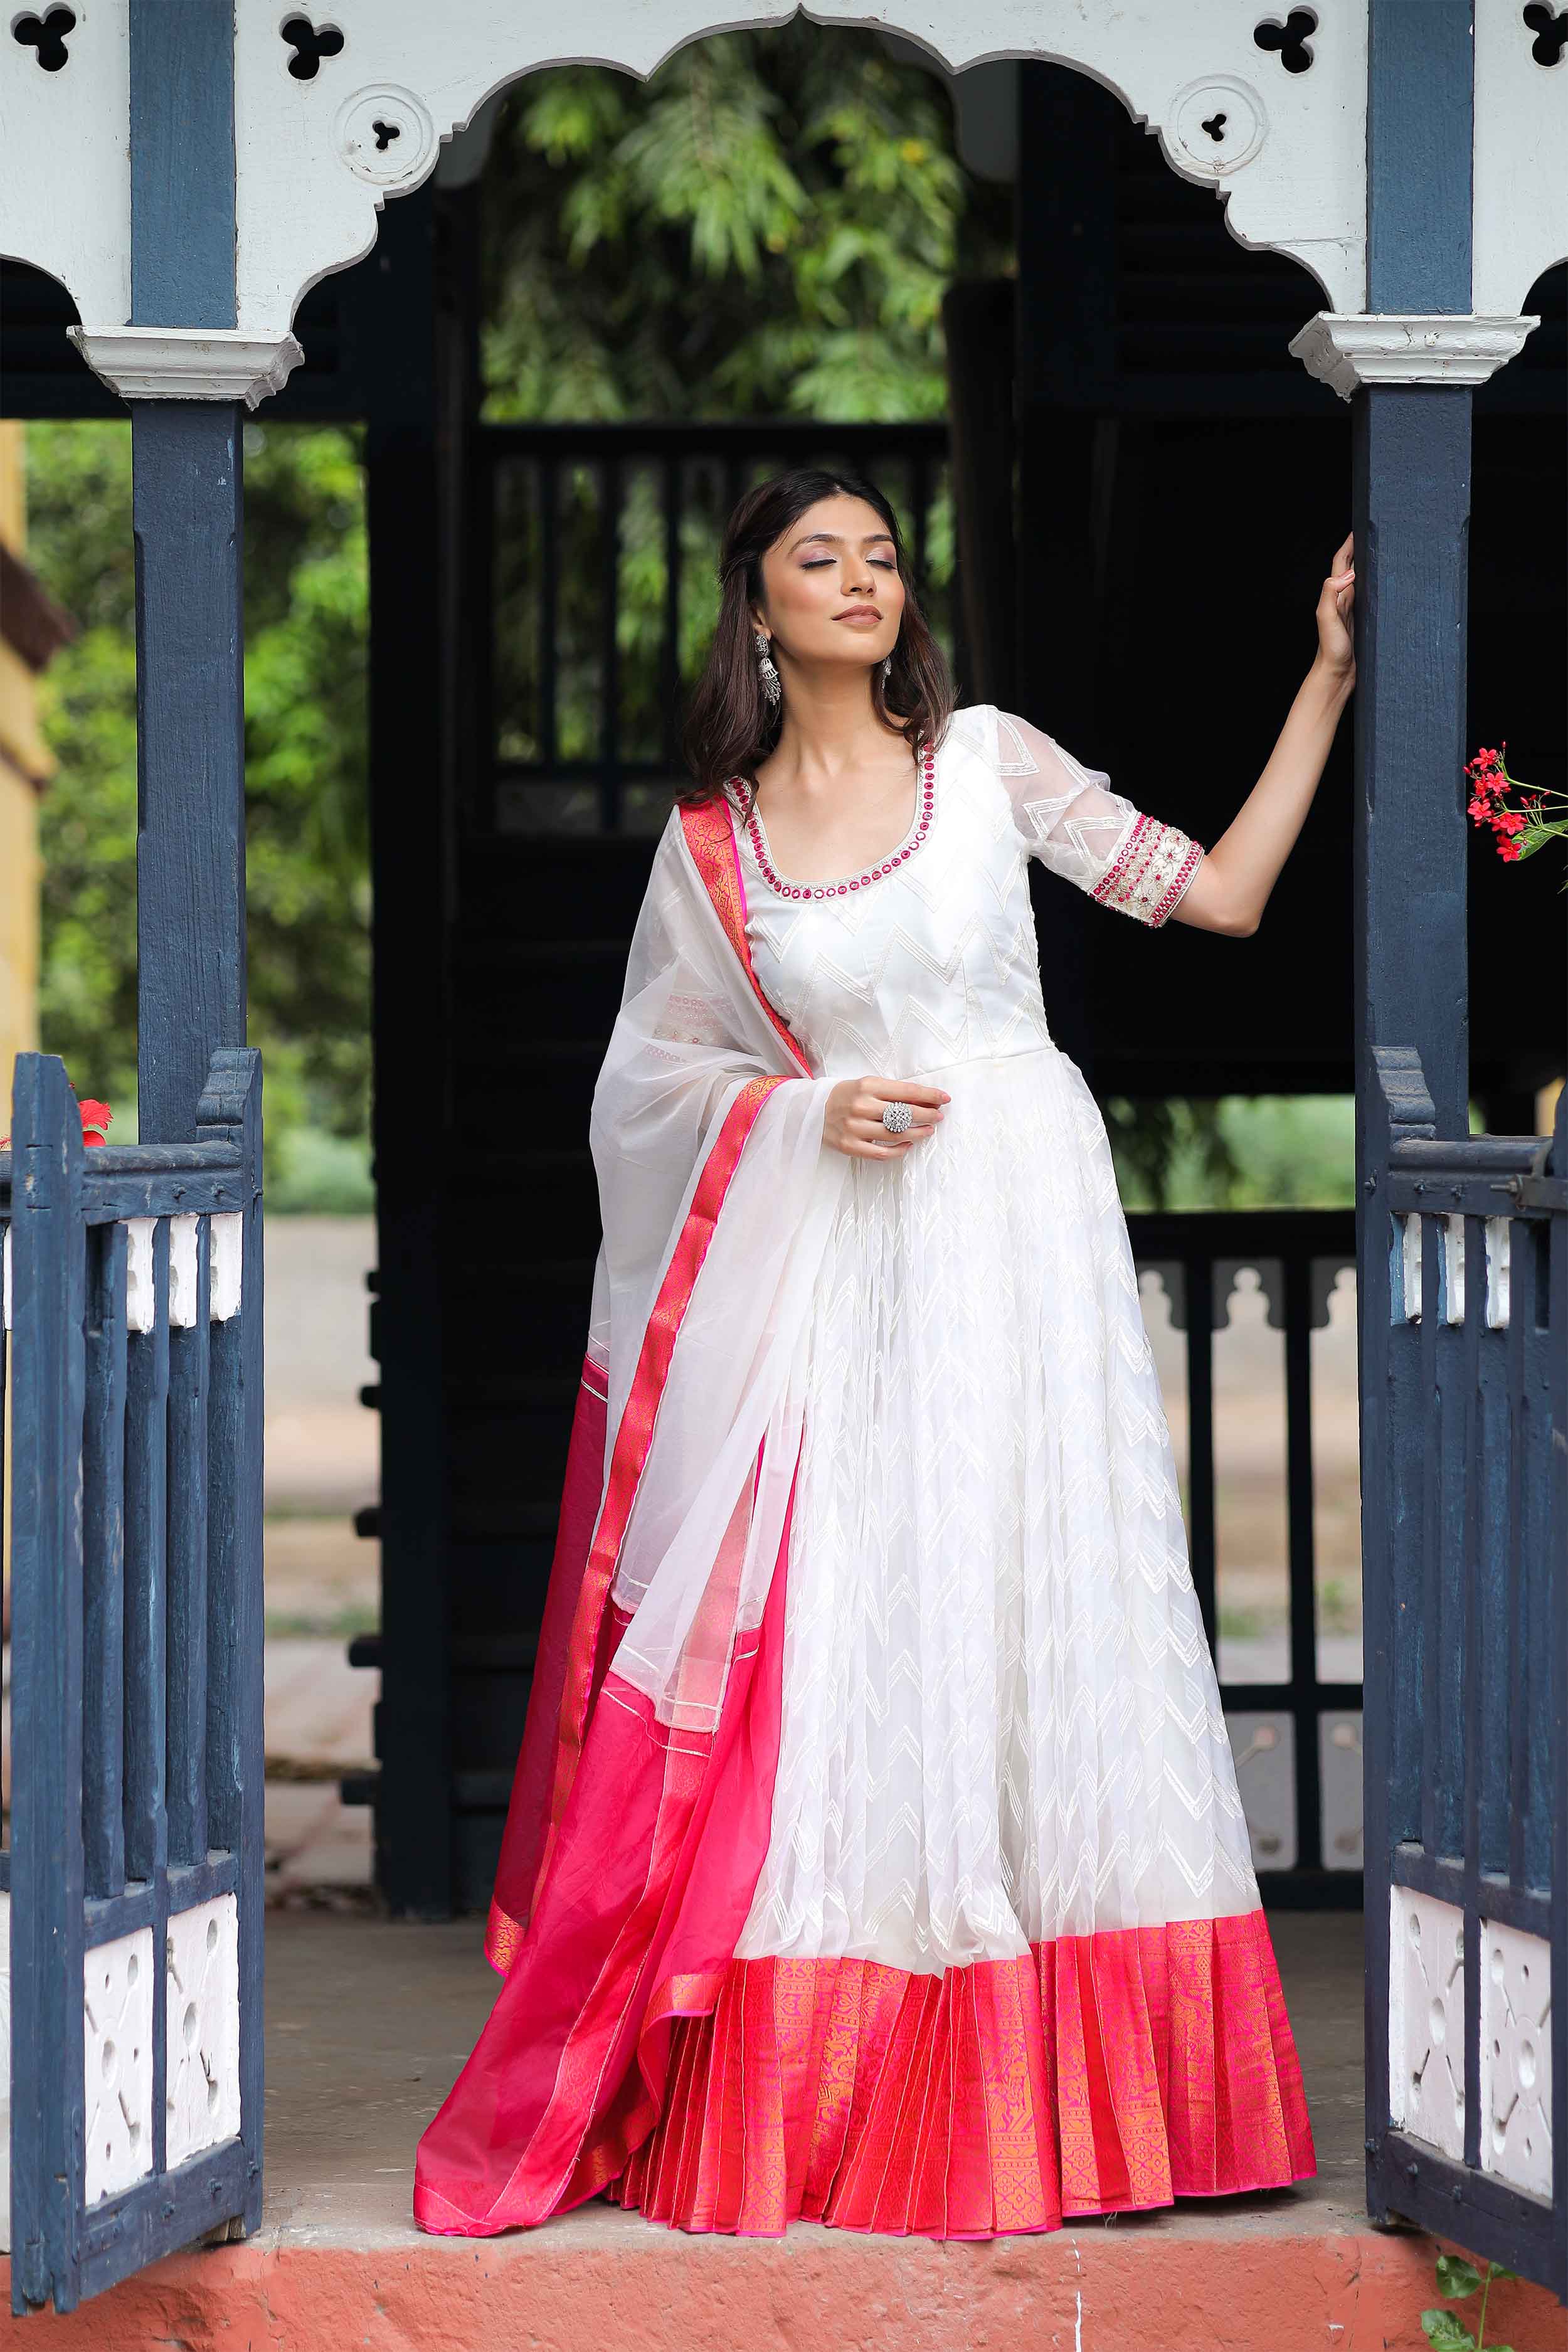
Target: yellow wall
x=25 y=764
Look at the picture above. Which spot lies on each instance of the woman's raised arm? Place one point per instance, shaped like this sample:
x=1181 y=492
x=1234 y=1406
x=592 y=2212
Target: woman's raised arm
x=1231 y=888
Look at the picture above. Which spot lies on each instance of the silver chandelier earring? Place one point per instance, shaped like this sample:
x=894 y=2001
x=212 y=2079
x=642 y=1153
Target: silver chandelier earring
x=766 y=670
x=887 y=669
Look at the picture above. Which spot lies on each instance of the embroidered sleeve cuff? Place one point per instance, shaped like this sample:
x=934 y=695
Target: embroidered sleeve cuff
x=1149 y=871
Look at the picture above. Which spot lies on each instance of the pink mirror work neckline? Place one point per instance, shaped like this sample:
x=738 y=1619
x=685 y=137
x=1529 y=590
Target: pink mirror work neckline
x=841 y=887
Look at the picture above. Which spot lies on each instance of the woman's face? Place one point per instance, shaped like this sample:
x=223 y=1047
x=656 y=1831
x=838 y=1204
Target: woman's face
x=831 y=590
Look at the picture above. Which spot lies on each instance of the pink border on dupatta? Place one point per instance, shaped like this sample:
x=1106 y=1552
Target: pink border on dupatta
x=716 y=854
x=572 y=1655
x=635 y=1925
x=612 y=1918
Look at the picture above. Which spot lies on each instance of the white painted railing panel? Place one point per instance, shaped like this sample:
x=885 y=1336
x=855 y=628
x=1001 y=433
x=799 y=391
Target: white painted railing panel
x=202 y=2092
x=1516 y=2057
x=139 y=1272
x=1426 y=2019
x=225 y=1265
x=1452 y=1286
x=117 y=2062
x=1499 y=1248
x=185 y=1245
x=1407 y=1291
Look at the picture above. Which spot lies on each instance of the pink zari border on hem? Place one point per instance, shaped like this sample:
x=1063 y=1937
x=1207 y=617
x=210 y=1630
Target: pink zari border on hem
x=1154 y=866
x=1103 y=2074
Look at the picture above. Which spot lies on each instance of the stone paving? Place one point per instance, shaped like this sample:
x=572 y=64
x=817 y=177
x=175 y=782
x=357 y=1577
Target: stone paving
x=368 y=2023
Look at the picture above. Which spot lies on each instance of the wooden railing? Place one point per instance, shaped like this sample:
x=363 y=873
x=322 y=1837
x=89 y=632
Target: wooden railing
x=1465 y=1382
x=1297 y=1736
x=132 y=1877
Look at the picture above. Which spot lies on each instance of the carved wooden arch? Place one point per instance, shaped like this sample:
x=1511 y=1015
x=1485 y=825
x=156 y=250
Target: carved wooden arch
x=319 y=155
x=326 y=132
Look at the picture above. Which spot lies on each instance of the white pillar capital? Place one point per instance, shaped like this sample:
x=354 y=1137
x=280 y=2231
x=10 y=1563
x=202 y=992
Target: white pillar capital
x=1347 y=348
x=188 y=362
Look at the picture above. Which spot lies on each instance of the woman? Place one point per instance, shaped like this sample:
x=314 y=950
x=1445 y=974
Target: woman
x=875 y=1853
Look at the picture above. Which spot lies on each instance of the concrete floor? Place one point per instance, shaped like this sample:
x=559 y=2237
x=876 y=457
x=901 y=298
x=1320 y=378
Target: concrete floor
x=367 y=2024
x=368 y=2021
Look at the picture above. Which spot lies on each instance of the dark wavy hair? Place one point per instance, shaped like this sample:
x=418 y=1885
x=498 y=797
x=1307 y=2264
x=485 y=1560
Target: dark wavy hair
x=732 y=726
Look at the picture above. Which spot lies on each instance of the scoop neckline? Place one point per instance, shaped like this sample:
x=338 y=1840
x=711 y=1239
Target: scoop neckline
x=842 y=885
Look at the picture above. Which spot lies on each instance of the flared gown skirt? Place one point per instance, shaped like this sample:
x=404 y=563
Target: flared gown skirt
x=1006 y=1960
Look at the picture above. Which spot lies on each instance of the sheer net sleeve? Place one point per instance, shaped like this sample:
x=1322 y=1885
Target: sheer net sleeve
x=1069 y=818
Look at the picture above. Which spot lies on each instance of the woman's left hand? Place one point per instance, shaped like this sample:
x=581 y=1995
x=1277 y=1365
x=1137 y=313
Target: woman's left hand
x=1336 y=605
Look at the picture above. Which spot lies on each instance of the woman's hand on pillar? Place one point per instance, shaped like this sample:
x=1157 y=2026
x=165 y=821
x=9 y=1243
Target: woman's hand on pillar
x=1336 y=605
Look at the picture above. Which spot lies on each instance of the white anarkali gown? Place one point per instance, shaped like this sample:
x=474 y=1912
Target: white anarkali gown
x=1000 y=1723
x=902 y=1885
x=1001 y=1738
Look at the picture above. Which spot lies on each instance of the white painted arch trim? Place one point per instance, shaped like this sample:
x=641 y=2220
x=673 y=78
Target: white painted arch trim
x=1346 y=350
x=1290 y=160
x=313 y=170
x=1520 y=161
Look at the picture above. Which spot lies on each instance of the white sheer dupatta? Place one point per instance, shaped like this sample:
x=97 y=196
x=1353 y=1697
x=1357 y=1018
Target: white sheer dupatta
x=717 y=1197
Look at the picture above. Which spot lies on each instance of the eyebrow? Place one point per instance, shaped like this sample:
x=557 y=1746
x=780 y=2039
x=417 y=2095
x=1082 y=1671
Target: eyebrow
x=835 y=539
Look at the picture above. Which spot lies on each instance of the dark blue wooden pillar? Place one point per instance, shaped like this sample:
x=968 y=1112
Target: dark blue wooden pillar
x=1411 y=501
x=1411 y=494
x=190 y=878
x=186 y=512
x=190 y=764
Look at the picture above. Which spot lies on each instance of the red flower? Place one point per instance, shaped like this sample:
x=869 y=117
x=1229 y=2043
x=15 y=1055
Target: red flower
x=95 y=1117
x=1520 y=824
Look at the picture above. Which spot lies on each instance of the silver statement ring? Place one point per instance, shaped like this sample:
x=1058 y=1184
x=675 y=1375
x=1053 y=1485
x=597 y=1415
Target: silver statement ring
x=898 y=1118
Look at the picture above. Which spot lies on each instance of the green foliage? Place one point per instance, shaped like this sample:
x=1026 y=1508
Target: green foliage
x=767 y=225
x=80 y=545
x=1244 y=1151
x=318 y=1175
x=1458 y=2278
x=305 y=798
